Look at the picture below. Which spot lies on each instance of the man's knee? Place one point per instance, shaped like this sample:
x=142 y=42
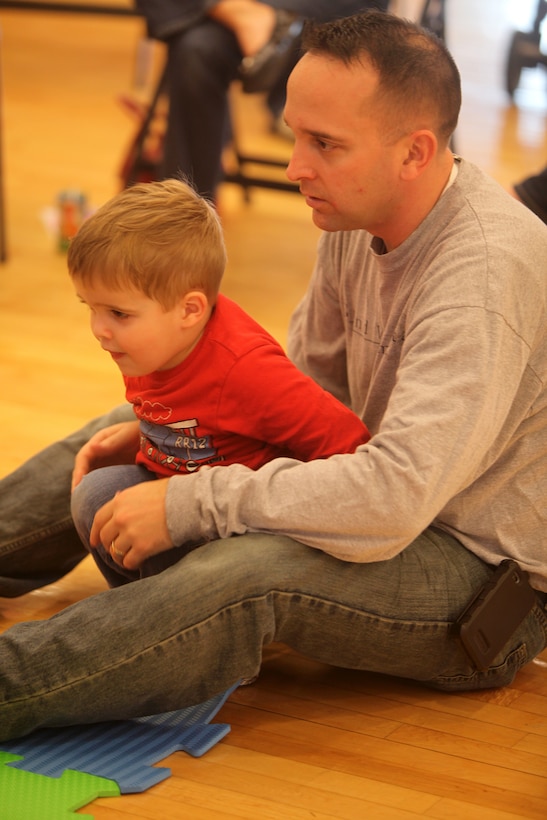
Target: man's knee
x=256 y=564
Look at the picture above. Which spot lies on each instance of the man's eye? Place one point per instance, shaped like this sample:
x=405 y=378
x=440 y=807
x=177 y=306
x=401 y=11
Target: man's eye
x=324 y=146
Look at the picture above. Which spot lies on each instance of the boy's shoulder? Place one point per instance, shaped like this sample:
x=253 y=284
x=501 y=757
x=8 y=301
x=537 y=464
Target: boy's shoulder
x=235 y=329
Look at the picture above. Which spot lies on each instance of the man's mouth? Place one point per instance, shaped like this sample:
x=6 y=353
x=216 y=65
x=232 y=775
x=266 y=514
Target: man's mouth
x=310 y=198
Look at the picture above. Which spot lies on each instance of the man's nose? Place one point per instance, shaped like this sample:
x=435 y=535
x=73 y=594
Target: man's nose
x=298 y=167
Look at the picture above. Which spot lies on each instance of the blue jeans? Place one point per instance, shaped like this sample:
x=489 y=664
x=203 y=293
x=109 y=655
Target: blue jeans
x=90 y=495
x=38 y=542
x=178 y=638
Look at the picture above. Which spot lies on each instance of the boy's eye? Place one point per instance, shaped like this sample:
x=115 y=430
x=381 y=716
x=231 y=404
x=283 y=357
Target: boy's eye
x=119 y=314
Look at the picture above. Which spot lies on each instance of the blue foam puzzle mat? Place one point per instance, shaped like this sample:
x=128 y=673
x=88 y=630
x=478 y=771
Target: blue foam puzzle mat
x=28 y=796
x=123 y=751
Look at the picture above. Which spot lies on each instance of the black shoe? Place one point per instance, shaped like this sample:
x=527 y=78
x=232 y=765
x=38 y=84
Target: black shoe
x=262 y=70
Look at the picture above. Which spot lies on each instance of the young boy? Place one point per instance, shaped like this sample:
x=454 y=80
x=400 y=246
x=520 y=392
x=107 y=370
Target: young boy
x=208 y=385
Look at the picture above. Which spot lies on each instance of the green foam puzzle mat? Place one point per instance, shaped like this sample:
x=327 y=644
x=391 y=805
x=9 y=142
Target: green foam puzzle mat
x=29 y=796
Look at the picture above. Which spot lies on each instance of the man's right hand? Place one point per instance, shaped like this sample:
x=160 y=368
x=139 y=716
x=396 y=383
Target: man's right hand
x=117 y=444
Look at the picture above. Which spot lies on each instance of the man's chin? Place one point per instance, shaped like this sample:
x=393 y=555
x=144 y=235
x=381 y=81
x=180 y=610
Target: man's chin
x=327 y=222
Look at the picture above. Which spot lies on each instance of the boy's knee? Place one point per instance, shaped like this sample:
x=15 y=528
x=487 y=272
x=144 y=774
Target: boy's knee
x=81 y=507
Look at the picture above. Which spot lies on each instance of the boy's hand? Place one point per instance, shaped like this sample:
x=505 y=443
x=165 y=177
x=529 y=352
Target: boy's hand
x=133 y=525
x=117 y=444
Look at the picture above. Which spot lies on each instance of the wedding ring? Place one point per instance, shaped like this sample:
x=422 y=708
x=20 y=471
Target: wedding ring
x=114 y=551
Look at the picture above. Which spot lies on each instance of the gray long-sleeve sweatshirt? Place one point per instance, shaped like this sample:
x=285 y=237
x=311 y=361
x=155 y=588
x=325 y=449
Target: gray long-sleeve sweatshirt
x=441 y=347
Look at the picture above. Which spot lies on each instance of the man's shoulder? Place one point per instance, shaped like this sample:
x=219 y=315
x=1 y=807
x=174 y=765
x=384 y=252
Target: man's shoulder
x=478 y=213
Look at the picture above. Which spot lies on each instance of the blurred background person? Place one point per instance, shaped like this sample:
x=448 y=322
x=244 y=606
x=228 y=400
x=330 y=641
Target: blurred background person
x=532 y=192
x=211 y=44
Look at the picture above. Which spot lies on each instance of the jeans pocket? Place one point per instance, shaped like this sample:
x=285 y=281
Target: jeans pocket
x=528 y=641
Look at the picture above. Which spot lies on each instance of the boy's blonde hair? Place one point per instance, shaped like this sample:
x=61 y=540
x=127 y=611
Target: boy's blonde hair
x=160 y=238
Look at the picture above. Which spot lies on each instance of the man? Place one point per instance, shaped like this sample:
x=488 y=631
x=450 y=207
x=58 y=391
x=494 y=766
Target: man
x=427 y=315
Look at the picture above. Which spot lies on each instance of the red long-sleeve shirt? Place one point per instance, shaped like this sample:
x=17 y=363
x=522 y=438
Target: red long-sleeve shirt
x=237 y=399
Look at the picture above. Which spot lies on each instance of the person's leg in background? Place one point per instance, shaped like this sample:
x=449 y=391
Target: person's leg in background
x=202 y=62
x=38 y=542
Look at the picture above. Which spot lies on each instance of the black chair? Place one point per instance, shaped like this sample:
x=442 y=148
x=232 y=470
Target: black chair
x=525 y=51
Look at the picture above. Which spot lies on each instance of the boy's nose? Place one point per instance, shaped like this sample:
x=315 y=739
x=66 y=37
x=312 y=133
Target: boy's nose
x=99 y=328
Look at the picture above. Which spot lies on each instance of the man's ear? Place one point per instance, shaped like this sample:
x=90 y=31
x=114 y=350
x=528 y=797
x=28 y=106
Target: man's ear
x=194 y=307
x=421 y=148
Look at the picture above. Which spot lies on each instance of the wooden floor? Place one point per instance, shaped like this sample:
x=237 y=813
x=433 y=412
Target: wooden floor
x=307 y=741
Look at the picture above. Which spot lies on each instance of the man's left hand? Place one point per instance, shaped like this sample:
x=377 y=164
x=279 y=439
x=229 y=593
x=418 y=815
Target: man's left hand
x=132 y=526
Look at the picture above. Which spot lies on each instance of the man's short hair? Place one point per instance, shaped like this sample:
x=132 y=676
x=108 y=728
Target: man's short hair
x=419 y=83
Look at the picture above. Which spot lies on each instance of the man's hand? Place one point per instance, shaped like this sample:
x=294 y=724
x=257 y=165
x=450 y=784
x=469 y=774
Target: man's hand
x=133 y=525
x=117 y=444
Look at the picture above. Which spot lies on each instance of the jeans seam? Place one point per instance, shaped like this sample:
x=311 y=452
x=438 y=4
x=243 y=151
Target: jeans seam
x=36 y=535
x=154 y=645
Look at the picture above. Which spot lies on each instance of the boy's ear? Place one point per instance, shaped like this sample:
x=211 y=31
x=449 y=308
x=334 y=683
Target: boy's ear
x=194 y=306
